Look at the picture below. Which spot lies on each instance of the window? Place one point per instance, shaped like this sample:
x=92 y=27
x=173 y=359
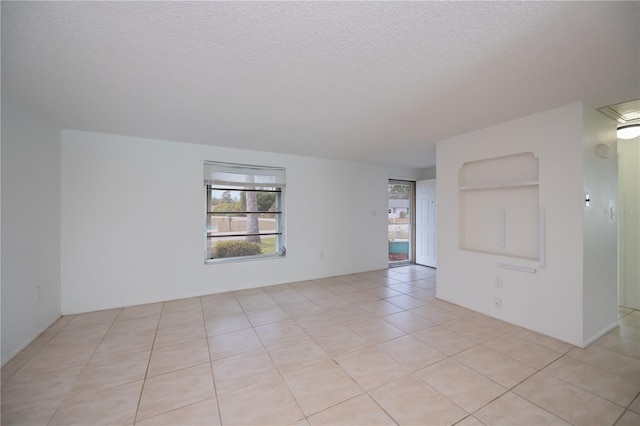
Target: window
x=245 y=211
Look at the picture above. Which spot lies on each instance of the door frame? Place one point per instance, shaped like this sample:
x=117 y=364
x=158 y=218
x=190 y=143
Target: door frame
x=412 y=222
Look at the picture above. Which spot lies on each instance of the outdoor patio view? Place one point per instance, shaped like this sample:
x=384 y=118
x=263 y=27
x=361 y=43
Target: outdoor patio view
x=399 y=227
x=233 y=231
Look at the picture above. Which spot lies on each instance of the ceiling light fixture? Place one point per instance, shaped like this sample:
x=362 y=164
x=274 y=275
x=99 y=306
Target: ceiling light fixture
x=629 y=131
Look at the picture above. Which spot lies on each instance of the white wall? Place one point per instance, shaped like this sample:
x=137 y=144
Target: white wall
x=30 y=226
x=600 y=232
x=551 y=300
x=133 y=215
x=629 y=222
x=425 y=174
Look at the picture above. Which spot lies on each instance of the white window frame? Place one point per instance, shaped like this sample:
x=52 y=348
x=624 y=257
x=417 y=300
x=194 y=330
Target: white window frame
x=229 y=176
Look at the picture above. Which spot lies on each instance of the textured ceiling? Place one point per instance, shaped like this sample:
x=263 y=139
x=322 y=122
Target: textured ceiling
x=371 y=81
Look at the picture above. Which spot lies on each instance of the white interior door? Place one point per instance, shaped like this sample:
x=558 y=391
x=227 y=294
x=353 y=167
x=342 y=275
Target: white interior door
x=426 y=222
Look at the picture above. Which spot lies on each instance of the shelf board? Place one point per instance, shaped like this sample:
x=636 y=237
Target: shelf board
x=499 y=185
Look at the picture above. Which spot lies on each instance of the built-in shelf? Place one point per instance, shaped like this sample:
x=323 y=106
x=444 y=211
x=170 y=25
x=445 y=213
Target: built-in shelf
x=498 y=207
x=498 y=185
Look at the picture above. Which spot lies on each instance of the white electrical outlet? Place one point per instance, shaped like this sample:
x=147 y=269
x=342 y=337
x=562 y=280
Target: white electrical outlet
x=36 y=293
x=497 y=303
x=498 y=282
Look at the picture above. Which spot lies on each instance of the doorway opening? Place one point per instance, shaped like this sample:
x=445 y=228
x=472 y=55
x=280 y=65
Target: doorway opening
x=400 y=222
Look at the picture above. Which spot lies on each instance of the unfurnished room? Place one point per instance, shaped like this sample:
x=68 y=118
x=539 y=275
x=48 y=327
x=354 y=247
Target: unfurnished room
x=320 y=213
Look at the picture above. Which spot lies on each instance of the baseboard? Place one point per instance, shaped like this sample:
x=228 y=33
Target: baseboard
x=28 y=341
x=599 y=335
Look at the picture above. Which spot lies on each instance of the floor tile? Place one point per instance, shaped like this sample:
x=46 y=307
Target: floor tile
x=445 y=340
x=410 y=401
x=621 y=389
x=271 y=355
x=425 y=295
x=265 y=403
x=279 y=332
x=134 y=325
x=335 y=344
x=256 y=302
x=383 y=280
x=176 y=389
x=287 y=297
x=467 y=388
x=627 y=332
x=203 y=413
x=635 y=405
x=297 y=353
x=93 y=318
x=407 y=288
x=176 y=357
x=317 y=321
x=510 y=409
x=103 y=374
x=361 y=410
x=567 y=401
x=522 y=350
x=619 y=344
x=351 y=314
x=233 y=343
x=124 y=344
x=476 y=326
x=629 y=418
x=226 y=324
x=239 y=371
x=267 y=316
x=376 y=330
x=542 y=340
x=179 y=334
x=406 y=302
x=363 y=284
x=320 y=386
x=380 y=308
x=59 y=357
x=73 y=336
x=371 y=368
x=36 y=391
x=360 y=296
x=331 y=302
x=35 y=416
x=383 y=292
x=470 y=421
x=112 y=406
x=632 y=320
x=220 y=308
x=301 y=309
x=140 y=311
x=498 y=367
x=171 y=318
x=408 y=322
x=411 y=352
x=436 y=314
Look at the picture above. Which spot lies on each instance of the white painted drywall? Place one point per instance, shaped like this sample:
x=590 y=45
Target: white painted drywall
x=629 y=221
x=428 y=173
x=600 y=229
x=549 y=301
x=30 y=226
x=133 y=218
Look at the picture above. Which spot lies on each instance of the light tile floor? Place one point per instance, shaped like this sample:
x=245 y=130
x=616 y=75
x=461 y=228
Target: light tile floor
x=362 y=349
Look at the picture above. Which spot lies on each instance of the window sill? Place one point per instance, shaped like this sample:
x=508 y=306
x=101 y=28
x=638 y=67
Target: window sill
x=242 y=259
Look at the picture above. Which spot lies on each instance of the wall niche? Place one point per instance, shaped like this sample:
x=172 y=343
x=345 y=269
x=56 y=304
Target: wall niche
x=498 y=206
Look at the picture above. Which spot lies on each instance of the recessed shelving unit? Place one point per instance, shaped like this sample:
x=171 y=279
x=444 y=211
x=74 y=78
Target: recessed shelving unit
x=499 y=207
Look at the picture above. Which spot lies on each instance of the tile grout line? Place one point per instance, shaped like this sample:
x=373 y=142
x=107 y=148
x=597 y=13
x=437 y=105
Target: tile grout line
x=213 y=379
x=146 y=372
